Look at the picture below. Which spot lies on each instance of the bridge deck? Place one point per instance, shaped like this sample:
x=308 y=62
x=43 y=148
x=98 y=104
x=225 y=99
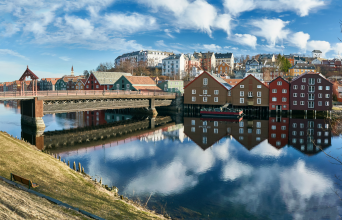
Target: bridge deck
x=85 y=94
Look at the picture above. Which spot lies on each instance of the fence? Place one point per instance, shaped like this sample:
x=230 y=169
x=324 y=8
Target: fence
x=82 y=93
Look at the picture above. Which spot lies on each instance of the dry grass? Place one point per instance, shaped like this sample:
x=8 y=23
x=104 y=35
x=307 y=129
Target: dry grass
x=18 y=204
x=58 y=181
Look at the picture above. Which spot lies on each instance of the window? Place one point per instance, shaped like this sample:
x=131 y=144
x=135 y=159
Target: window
x=284 y=90
x=259 y=101
x=205 y=123
x=301 y=141
x=327 y=88
x=257 y=138
x=319 y=103
x=294 y=140
x=193 y=99
x=320 y=87
x=259 y=86
x=295 y=87
x=327 y=103
x=258 y=131
x=319 y=133
x=302 y=95
x=311 y=105
x=302 y=87
x=241 y=124
x=294 y=125
x=326 y=126
x=284 y=106
x=326 y=141
x=294 y=133
x=242 y=93
x=318 y=141
x=87 y=87
x=215 y=99
x=284 y=99
x=327 y=96
x=215 y=131
x=205 y=92
x=301 y=133
x=127 y=86
x=259 y=94
x=283 y=135
x=279 y=83
x=194 y=91
x=215 y=123
x=301 y=125
x=193 y=122
x=274 y=99
x=273 y=127
x=283 y=128
x=319 y=95
x=97 y=86
x=311 y=81
x=242 y=100
x=273 y=106
x=249 y=130
x=204 y=140
x=241 y=130
x=294 y=94
x=205 y=99
x=319 y=125
x=274 y=91
x=304 y=80
x=242 y=86
x=258 y=124
x=250 y=94
x=326 y=133
x=205 y=81
x=216 y=92
x=294 y=102
x=205 y=130
x=241 y=138
x=311 y=89
x=311 y=96
x=229 y=93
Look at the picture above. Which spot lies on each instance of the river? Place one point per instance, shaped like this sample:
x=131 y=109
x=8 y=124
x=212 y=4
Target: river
x=200 y=168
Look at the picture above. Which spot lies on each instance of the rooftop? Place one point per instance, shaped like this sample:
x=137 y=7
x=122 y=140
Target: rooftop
x=108 y=78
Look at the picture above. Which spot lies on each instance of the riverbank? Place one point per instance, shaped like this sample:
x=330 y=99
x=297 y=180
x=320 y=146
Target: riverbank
x=58 y=181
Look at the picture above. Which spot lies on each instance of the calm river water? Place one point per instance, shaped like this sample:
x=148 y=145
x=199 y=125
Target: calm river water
x=197 y=168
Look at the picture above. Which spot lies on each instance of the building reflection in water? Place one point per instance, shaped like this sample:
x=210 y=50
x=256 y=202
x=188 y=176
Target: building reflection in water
x=305 y=135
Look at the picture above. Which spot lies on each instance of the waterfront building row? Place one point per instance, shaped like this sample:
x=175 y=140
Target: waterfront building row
x=308 y=91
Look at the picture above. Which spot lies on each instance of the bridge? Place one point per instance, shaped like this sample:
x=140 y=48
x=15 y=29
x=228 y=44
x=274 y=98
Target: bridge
x=118 y=132
x=35 y=104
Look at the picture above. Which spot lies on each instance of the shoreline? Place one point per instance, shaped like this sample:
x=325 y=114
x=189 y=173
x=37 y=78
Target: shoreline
x=62 y=183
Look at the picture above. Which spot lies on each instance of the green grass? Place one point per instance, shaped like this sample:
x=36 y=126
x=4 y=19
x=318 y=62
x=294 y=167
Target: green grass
x=58 y=181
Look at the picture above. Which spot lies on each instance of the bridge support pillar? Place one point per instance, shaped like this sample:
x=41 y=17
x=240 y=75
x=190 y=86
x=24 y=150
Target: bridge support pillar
x=32 y=113
x=153 y=107
x=152 y=123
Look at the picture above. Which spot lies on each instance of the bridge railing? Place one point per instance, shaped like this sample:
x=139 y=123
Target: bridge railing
x=11 y=94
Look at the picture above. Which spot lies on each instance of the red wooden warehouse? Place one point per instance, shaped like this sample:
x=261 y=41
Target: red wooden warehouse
x=279 y=95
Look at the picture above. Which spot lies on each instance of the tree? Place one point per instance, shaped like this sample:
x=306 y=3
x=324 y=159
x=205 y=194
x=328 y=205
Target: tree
x=86 y=73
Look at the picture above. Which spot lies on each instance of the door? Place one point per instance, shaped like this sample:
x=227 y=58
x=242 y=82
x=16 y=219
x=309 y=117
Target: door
x=278 y=107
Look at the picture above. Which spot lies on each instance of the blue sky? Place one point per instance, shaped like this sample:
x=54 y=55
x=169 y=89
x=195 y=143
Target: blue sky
x=50 y=36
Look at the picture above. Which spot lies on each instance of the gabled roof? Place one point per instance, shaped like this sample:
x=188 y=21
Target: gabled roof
x=140 y=80
x=303 y=66
x=83 y=81
x=28 y=73
x=109 y=78
x=216 y=78
x=249 y=62
x=308 y=73
x=254 y=78
x=316 y=51
x=233 y=82
x=277 y=78
x=223 y=55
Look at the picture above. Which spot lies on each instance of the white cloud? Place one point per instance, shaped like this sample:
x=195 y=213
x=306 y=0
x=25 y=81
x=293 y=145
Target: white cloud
x=323 y=46
x=301 y=7
x=211 y=47
x=264 y=149
x=223 y=22
x=65 y=58
x=81 y=26
x=244 y=39
x=129 y=23
x=233 y=170
x=338 y=49
x=299 y=40
x=271 y=29
x=168 y=33
x=12 y=53
x=160 y=43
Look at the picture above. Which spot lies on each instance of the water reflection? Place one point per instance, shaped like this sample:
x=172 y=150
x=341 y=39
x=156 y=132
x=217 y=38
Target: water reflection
x=200 y=168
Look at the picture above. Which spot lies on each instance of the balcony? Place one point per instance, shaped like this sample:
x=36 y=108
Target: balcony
x=250 y=102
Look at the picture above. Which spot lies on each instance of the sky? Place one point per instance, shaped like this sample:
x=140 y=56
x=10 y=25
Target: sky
x=50 y=36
